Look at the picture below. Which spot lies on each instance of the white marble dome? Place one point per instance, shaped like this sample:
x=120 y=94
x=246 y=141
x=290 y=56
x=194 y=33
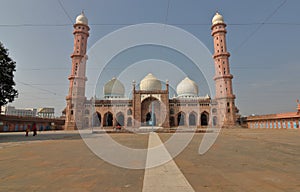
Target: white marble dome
x=82 y=19
x=150 y=83
x=114 y=88
x=217 y=19
x=187 y=88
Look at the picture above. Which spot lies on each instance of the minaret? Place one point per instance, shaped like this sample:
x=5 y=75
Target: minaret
x=223 y=79
x=76 y=96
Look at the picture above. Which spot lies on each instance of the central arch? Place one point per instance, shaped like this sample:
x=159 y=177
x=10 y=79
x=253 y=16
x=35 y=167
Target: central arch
x=150 y=106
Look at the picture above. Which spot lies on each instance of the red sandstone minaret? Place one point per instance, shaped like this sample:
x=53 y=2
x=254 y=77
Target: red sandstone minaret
x=76 y=96
x=223 y=79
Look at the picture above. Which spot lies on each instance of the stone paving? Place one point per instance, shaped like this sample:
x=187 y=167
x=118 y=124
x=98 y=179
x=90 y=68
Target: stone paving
x=240 y=160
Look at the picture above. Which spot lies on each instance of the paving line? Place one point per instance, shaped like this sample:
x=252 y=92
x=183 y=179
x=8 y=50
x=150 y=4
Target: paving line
x=166 y=177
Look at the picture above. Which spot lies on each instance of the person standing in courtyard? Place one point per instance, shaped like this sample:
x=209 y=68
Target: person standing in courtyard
x=34 y=129
x=27 y=130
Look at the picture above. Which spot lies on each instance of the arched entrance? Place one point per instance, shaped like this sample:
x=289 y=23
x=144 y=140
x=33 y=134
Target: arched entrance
x=149 y=120
x=129 y=122
x=108 y=119
x=151 y=107
x=215 y=121
x=180 y=119
x=96 y=119
x=120 y=119
x=192 y=119
x=204 y=119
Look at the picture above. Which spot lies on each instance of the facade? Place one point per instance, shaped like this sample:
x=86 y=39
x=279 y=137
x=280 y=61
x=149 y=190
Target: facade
x=45 y=112
x=150 y=104
x=11 y=123
x=28 y=112
x=289 y=120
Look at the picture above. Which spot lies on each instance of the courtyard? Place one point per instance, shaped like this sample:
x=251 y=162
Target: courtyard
x=239 y=160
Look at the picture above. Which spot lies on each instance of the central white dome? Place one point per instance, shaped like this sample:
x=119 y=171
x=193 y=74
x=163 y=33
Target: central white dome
x=150 y=83
x=187 y=88
x=114 y=88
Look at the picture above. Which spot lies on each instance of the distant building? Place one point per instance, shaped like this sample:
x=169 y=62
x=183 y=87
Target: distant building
x=290 y=120
x=46 y=112
x=27 y=112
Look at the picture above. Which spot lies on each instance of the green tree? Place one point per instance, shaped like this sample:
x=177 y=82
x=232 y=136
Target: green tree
x=7 y=69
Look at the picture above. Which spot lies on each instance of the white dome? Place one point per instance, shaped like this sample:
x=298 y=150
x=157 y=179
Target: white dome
x=82 y=19
x=217 y=19
x=187 y=88
x=114 y=88
x=150 y=83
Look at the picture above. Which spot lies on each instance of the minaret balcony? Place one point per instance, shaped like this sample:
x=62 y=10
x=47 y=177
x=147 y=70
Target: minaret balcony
x=229 y=76
x=216 y=55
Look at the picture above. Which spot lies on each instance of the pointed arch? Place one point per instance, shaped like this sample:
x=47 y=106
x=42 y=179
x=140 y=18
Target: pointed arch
x=204 y=118
x=192 y=118
x=108 y=119
x=181 y=118
x=215 y=121
x=120 y=119
x=96 y=119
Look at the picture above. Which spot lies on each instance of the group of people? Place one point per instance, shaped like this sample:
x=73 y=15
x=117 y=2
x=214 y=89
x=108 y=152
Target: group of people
x=34 y=129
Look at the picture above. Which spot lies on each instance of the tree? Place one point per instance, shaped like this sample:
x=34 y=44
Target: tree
x=7 y=69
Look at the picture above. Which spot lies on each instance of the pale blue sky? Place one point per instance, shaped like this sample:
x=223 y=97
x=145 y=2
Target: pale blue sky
x=264 y=57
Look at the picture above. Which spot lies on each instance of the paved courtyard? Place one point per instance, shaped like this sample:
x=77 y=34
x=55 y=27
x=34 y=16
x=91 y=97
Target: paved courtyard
x=239 y=160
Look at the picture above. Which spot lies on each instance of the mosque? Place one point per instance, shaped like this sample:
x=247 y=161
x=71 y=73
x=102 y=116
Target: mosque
x=150 y=103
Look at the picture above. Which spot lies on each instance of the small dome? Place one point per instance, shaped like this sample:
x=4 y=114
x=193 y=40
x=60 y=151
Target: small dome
x=187 y=88
x=114 y=88
x=82 y=19
x=150 y=83
x=217 y=19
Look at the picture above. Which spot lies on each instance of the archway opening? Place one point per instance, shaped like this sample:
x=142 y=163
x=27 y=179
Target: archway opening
x=204 y=119
x=215 y=121
x=151 y=106
x=180 y=119
x=120 y=119
x=108 y=119
x=192 y=119
x=96 y=121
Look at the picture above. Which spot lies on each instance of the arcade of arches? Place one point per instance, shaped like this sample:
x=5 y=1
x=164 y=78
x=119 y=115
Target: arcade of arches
x=150 y=106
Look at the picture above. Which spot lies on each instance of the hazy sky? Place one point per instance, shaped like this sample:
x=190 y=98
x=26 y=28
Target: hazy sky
x=263 y=39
